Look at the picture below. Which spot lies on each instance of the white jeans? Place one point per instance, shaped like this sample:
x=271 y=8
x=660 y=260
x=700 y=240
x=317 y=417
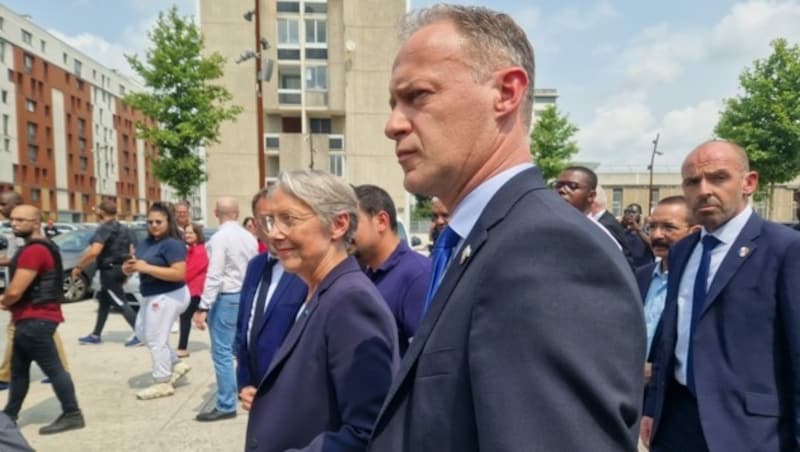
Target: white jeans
x=153 y=325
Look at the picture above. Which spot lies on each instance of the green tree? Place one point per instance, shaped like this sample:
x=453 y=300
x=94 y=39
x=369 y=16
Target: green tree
x=552 y=142
x=186 y=108
x=765 y=118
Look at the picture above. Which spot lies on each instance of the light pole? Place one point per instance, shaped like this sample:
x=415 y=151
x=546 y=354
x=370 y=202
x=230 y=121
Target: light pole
x=650 y=167
x=261 y=75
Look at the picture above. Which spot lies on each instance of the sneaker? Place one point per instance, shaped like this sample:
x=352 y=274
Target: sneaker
x=155 y=391
x=67 y=421
x=3 y=385
x=179 y=370
x=133 y=342
x=92 y=339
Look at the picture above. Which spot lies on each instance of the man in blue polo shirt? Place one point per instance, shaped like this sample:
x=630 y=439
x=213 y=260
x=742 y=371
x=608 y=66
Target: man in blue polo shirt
x=400 y=274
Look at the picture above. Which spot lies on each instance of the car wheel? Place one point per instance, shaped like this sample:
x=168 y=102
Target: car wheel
x=75 y=288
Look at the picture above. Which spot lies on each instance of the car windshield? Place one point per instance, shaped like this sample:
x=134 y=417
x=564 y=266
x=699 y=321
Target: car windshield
x=74 y=240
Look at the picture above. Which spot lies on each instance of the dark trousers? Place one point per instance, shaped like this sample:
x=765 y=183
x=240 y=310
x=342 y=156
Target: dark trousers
x=679 y=428
x=33 y=341
x=186 y=322
x=111 y=281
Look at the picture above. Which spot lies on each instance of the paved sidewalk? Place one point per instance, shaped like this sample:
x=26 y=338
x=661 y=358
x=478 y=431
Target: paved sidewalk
x=107 y=378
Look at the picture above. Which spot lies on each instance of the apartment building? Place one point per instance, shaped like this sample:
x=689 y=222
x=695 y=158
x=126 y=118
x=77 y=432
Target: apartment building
x=67 y=141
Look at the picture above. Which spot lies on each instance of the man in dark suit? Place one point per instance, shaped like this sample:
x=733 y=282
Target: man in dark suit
x=637 y=239
x=670 y=222
x=725 y=373
x=268 y=305
x=578 y=186
x=507 y=356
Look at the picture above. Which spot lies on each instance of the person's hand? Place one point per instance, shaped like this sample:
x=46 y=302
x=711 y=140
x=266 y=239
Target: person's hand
x=199 y=319
x=128 y=266
x=76 y=272
x=645 y=430
x=648 y=372
x=246 y=395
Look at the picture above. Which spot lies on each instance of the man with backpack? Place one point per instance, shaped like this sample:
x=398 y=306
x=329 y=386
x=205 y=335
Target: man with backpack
x=111 y=245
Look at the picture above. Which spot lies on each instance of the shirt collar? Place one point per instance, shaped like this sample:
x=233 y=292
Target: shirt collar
x=728 y=232
x=658 y=273
x=393 y=259
x=467 y=212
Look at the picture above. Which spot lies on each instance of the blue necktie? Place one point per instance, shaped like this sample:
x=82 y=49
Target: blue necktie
x=261 y=300
x=699 y=301
x=440 y=257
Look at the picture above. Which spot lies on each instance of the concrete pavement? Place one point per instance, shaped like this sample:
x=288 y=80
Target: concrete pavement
x=107 y=377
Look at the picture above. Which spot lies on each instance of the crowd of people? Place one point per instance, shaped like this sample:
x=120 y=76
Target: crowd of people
x=539 y=322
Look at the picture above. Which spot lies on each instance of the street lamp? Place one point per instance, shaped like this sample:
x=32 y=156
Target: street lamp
x=261 y=75
x=650 y=167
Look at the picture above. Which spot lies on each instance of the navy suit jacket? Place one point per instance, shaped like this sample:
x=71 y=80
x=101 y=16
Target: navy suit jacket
x=746 y=343
x=616 y=229
x=275 y=323
x=324 y=388
x=522 y=348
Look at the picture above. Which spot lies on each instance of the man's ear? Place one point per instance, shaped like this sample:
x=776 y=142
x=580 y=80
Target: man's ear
x=512 y=84
x=383 y=223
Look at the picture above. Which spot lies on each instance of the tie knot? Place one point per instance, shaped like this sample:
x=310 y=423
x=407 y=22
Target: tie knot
x=447 y=239
x=709 y=242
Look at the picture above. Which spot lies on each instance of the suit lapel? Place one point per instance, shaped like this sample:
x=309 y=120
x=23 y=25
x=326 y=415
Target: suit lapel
x=494 y=212
x=276 y=298
x=741 y=249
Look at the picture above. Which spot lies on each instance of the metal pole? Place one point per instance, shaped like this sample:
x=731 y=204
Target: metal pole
x=650 y=187
x=259 y=101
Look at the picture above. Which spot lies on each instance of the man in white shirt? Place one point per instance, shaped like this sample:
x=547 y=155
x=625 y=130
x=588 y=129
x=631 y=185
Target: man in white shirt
x=229 y=250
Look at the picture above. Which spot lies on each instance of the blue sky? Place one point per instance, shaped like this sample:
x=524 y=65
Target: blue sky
x=625 y=70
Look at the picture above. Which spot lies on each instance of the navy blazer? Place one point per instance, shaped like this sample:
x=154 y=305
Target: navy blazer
x=746 y=343
x=325 y=386
x=275 y=323
x=522 y=348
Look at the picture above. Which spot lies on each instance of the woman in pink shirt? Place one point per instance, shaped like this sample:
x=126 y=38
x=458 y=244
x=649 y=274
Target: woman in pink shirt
x=196 y=267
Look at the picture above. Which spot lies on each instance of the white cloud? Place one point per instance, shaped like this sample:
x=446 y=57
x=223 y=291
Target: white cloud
x=581 y=19
x=105 y=52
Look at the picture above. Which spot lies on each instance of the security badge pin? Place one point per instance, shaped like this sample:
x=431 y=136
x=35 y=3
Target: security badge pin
x=744 y=251
x=465 y=254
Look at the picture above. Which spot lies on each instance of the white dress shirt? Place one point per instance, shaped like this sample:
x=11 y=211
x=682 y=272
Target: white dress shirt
x=229 y=251
x=277 y=273
x=727 y=234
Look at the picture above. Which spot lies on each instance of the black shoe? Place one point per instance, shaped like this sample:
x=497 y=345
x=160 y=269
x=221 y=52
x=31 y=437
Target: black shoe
x=67 y=421
x=215 y=415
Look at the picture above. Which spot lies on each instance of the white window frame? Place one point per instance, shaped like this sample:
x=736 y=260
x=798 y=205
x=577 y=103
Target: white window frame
x=287 y=21
x=312 y=77
x=313 y=27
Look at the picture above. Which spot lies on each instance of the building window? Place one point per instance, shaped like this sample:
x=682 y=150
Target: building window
x=336 y=143
x=317 y=77
x=78 y=66
x=336 y=161
x=316 y=54
x=616 y=202
x=66 y=58
x=288 y=31
x=83 y=162
x=316 y=31
x=81 y=127
x=291 y=54
x=2 y=22
x=33 y=152
x=30 y=105
x=28 y=62
x=272 y=142
x=5 y=124
x=289 y=85
x=27 y=37
x=7 y=145
x=319 y=7
x=43 y=45
x=288 y=7
x=2 y=50
x=36 y=194
x=4 y=96
x=320 y=125
x=121 y=90
x=32 y=130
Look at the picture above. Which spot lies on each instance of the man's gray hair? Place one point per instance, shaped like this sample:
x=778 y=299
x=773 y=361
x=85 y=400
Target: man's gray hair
x=327 y=195
x=494 y=41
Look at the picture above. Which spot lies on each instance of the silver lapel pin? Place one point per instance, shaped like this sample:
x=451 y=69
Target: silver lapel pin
x=744 y=251
x=465 y=254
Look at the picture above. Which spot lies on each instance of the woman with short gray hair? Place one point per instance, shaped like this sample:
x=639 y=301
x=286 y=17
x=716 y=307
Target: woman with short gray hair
x=328 y=380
